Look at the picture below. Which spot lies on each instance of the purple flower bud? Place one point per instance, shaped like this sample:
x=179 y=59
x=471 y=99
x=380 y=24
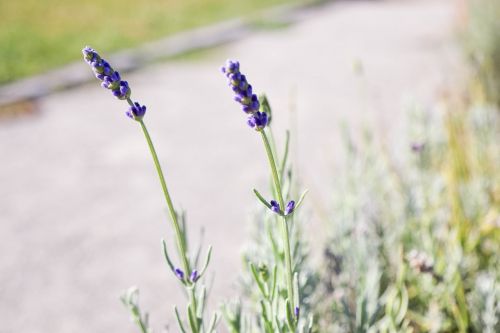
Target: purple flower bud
x=89 y=54
x=296 y=312
x=275 y=207
x=136 y=111
x=111 y=81
x=290 y=207
x=231 y=66
x=417 y=147
x=179 y=273
x=258 y=120
x=122 y=91
x=194 y=276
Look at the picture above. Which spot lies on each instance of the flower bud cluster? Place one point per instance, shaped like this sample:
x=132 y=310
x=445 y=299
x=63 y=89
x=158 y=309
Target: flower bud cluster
x=111 y=79
x=275 y=207
x=103 y=71
x=244 y=95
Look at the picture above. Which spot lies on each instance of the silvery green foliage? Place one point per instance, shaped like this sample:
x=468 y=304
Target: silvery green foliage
x=264 y=296
x=482 y=45
x=415 y=242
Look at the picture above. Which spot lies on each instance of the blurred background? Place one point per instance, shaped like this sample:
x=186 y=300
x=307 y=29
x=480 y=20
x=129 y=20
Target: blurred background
x=393 y=111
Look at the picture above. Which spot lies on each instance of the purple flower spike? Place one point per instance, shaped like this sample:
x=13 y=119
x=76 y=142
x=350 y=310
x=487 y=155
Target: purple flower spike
x=296 y=312
x=179 y=273
x=258 y=120
x=244 y=94
x=103 y=71
x=194 y=276
x=136 y=111
x=290 y=207
x=275 y=207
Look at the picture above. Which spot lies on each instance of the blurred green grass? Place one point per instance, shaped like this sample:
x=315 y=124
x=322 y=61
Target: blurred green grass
x=39 y=35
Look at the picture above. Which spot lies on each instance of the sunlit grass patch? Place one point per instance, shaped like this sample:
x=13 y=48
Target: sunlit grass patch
x=40 y=35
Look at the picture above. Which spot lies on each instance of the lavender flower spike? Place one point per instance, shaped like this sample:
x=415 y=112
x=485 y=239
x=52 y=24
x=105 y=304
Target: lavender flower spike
x=290 y=207
x=244 y=95
x=104 y=72
x=111 y=80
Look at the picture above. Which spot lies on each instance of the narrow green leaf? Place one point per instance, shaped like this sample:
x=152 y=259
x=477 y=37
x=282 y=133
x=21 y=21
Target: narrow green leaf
x=179 y=321
x=403 y=306
x=275 y=279
x=201 y=302
x=167 y=258
x=213 y=322
x=261 y=199
x=310 y=324
x=301 y=199
x=289 y=316
x=207 y=261
x=267 y=324
x=285 y=154
x=257 y=280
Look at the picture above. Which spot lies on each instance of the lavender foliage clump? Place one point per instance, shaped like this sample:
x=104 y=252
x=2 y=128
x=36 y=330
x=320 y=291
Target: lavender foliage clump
x=244 y=95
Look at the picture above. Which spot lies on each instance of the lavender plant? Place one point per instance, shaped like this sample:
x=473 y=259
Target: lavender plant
x=280 y=301
x=415 y=242
x=187 y=272
x=265 y=252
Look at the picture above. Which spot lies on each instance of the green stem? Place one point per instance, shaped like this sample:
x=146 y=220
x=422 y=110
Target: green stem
x=284 y=226
x=192 y=297
x=142 y=326
x=178 y=233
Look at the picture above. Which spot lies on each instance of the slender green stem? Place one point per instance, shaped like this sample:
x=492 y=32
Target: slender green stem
x=178 y=233
x=192 y=297
x=142 y=326
x=284 y=226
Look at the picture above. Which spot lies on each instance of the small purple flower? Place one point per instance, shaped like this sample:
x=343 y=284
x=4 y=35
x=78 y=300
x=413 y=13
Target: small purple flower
x=111 y=81
x=296 y=312
x=179 y=273
x=123 y=90
x=244 y=94
x=258 y=120
x=136 y=111
x=194 y=276
x=290 y=207
x=417 y=147
x=275 y=207
x=89 y=54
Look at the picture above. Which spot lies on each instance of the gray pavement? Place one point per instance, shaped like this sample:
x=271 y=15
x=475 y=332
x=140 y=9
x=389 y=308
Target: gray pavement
x=81 y=211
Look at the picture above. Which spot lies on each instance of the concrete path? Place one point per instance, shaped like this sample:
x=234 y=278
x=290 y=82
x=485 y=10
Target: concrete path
x=81 y=211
